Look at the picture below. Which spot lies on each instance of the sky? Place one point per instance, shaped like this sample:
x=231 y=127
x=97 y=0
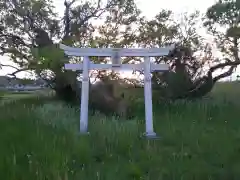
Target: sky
x=149 y=9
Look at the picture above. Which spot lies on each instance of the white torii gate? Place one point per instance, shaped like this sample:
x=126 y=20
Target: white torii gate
x=116 y=54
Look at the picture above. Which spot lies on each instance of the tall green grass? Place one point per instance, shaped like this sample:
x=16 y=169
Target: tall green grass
x=199 y=140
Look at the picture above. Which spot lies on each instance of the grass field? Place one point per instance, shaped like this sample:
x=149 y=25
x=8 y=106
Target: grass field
x=200 y=141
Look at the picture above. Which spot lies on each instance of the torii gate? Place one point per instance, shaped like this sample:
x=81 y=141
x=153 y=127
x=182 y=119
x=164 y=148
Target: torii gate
x=116 y=54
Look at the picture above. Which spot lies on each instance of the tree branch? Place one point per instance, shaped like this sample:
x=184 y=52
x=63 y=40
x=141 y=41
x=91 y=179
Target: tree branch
x=15 y=39
x=6 y=65
x=11 y=51
x=94 y=13
x=67 y=19
x=232 y=64
x=222 y=65
x=225 y=74
x=18 y=70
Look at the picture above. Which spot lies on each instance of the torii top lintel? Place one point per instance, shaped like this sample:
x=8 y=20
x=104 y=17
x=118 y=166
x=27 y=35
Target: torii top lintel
x=123 y=52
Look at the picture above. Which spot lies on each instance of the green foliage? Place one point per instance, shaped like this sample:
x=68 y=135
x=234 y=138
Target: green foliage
x=23 y=17
x=222 y=21
x=233 y=32
x=49 y=57
x=56 y=53
x=67 y=94
x=174 y=81
x=26 y=81
x=224 y=12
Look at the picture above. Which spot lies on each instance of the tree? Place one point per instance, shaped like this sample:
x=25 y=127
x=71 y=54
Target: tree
x=186 y=67
x=191 y=75
x=19 y=22
x=222 y=22
x=30 y=33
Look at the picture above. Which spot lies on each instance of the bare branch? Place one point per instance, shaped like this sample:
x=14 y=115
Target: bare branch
x=225 y=74
x=67 y=19
x=232 y=64
x=18 y=70
x=6 y=65
x=97 y=12
x=16 y=39
x=72 y=2
x=15 y=52
x=222 y=65
x=98 y=4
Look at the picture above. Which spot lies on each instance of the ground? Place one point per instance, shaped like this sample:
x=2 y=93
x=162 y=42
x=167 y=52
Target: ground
x=199 y=140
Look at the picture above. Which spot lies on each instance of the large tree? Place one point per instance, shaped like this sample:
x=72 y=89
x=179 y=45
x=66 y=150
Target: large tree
x=194 y=69
x=30 y=32
x=186 y=66
x=223 y=22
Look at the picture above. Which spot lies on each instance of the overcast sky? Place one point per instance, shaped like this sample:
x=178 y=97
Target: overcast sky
x=149 y=9
x=152 y=7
